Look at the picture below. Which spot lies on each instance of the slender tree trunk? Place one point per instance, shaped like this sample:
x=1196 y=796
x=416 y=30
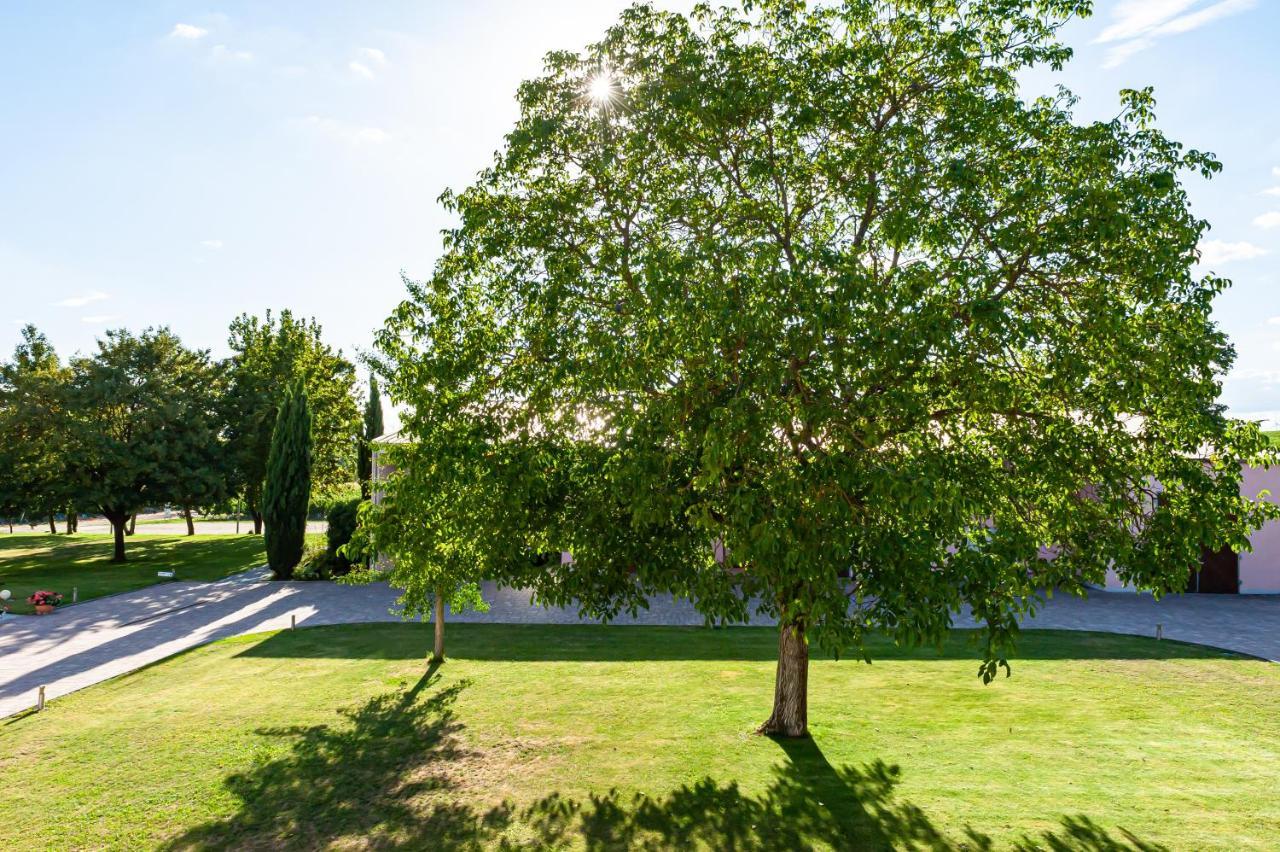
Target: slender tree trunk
x=257 y=522
x=53 y=524
x=133 y=524
x=790 y=716
x=437 y=655
x=191 y=526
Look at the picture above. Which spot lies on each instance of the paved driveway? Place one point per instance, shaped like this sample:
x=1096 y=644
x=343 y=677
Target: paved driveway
x=88 y=643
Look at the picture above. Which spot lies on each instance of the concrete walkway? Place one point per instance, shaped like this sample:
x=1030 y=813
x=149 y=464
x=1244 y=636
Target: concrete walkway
x=88 y=643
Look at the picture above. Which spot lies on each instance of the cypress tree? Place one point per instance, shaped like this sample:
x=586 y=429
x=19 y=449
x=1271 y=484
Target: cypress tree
x=287 y=492
x=372 y=430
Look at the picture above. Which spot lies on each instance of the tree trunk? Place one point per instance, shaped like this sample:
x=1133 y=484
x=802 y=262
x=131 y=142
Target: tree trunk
x=437 y=655
x=790 y=716
x=118 y=521
x=133 y=524
x=257 y=522
x=191 y=526
x=53 y=524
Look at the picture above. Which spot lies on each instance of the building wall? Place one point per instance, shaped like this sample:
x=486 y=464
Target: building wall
x=1260 y=567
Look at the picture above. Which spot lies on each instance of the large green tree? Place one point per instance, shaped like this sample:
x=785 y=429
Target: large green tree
x=372 y=431
x=806 y=309
x=287 y=492
x=34 y=476
x=132 y=409
x=268 y=355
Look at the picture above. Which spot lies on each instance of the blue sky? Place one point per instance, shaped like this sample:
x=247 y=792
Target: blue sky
x=171 y=163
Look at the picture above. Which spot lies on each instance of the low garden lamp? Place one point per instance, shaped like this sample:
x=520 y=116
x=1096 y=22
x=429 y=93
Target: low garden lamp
x=5 y=594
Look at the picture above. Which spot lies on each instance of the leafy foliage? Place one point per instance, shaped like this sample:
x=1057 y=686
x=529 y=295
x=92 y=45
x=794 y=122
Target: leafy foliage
x=139 y=414
x=816 y=284
x=34 y=478
x=372 y=431
x=269 y=355
x=287 y=492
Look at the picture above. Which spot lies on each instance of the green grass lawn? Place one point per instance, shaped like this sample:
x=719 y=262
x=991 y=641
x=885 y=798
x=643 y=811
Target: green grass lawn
x=628 y=737
x=29 y=562
x=1274 y=436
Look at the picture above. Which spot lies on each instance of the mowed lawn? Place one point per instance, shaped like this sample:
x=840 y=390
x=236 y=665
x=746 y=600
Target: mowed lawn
x=637 y=737
x=83 y=561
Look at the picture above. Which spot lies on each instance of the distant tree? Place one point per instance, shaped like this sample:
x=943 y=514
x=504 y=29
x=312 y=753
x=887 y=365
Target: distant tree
x=372 y=431
x=268 y=356
x=34 y=477
x=287 y=492
x=817 y=285
x=204 y=457
x=130 y=408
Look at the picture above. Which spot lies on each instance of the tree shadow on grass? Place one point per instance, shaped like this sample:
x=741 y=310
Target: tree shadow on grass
x=619 y=643
x=395 y=774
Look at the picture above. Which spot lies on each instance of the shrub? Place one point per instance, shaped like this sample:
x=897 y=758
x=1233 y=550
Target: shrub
x=342 y=525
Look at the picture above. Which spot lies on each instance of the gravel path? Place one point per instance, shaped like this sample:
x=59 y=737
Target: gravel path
x=88 y=643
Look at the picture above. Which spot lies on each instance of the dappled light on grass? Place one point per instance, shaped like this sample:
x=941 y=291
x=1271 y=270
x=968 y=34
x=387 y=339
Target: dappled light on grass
x=619 y=643
x=333 y=737
x=83 y=561
x=389 y=775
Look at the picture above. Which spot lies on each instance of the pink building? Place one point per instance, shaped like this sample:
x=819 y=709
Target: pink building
x=1255 y=572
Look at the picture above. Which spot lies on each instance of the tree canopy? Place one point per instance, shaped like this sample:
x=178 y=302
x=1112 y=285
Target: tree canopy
x=137 y=412
x=813 y=288
x=34 y=477
x=268 y=355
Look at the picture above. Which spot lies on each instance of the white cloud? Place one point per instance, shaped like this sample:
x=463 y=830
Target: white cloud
x=1266 y=419
x=1215 y=252
x=1117 y=55
x=81 y=300
x=1275 y=190
x=223 y=53
x=188 y=31
x=213 y=244
x=1273 y=321
x=374 y=55
x=1139 y=24
x=1268 y=220
x=360 y=70
x=1134 y=17
x=1275 y=171
x=98 y=319
x=352 y=134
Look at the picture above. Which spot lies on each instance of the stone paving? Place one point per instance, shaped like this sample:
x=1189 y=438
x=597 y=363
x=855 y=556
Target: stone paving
x=81 y=645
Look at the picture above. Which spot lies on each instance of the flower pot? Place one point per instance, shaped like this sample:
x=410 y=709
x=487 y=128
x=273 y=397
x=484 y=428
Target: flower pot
x=44 y=609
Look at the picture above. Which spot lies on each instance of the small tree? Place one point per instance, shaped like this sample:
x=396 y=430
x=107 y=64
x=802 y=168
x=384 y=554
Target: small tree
x=372 y=431
x=413 y=532
x=287 y=492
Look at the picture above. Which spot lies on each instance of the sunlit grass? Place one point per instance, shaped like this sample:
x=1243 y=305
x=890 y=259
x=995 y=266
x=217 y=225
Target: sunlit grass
x=83 y=562
x=552 y=737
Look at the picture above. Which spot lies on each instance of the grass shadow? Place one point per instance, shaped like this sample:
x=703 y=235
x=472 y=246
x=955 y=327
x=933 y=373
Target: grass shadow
x=631 y=643
x=393 y=774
